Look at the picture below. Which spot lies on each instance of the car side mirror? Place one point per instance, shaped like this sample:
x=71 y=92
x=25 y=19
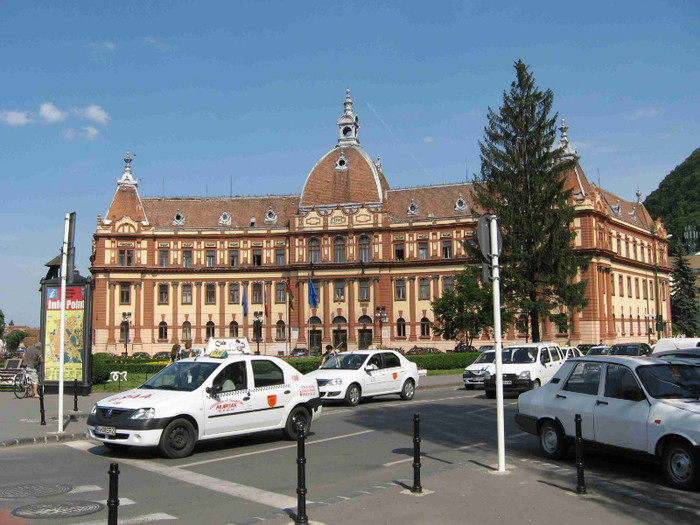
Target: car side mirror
x=214 y=389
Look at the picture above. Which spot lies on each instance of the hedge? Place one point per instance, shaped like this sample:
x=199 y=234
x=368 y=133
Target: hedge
x=103 y=364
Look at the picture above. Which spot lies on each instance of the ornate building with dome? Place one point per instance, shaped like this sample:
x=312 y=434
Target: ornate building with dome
x=172 y=270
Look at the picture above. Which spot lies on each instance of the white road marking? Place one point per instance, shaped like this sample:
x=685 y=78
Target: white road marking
x=85 y=488
x=256 y=452
x=146 y=518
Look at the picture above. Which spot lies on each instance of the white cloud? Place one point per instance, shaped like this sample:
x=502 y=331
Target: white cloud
x=103 y=47
x=15 y=118
x=93 y=112
x=86 y=133
x=51 y=113
x=642 y=113
x=428 y=139
x=158 y=44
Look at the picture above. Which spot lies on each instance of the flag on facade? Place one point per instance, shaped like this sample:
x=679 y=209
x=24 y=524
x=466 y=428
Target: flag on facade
x=313 y=295
x=338 y=296
x=267 y=310
x=245 y=302
x=290 y=296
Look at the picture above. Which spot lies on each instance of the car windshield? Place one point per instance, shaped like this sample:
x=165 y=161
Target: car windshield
x=519 y=355
x=487 y=357
x=345 y=361
x=624 y=350
x=671 y=381
x=598 y=350
x=184 y=376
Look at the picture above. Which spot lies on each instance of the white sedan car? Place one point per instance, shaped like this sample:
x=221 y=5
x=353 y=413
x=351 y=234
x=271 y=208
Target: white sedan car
x=365 y=373
x=473 y=375
x=634 y=404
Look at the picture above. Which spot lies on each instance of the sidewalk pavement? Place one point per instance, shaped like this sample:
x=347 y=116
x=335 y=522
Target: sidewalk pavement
x=20 y=423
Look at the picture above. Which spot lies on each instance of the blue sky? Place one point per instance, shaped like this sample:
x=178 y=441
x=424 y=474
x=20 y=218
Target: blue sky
x=206 y=92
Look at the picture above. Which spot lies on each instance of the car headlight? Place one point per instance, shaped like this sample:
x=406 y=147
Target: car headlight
x=487 y=376
x=144 y=413
x=335 y=381
x=94 y=409
x=524 y=375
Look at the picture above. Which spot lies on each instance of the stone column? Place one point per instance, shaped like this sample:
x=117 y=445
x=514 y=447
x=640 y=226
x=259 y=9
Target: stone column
x=222 y=309
x=327 y=314
x=268 y=323
x=411 y=325
x=350 y=283
x=244 y=291
x=300 y=309
x=137 y=313
x=111 y=312
x=197 y=325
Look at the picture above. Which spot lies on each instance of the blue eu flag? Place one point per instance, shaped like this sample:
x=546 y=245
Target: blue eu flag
x=313 y=295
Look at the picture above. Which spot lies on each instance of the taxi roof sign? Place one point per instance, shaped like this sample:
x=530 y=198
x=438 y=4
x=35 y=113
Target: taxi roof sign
x=216 y=346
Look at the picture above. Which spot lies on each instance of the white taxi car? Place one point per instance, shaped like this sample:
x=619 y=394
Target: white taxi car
x=636 y=404
x=525 y=367
x=366 y=373
x=219 y=394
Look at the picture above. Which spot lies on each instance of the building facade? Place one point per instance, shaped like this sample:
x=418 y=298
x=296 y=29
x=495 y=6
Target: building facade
x=170 y=270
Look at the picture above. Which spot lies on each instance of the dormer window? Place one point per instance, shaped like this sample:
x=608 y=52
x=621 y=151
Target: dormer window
x=270 y=216
x=179 y=218
x=461 y=204
x=412 y=209
x=252 y=221
x=225 y=219
x=341 y=163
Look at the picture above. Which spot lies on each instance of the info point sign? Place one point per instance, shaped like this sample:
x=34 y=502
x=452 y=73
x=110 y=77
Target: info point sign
x=74 y=346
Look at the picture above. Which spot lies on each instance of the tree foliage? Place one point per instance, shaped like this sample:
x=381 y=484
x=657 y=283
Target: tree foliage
x=2 y=323
x=523 y=183
x=14 y=338
x=684 y=305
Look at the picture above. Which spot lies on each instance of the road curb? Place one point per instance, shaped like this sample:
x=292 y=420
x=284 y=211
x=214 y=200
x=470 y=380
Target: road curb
x=44 y=440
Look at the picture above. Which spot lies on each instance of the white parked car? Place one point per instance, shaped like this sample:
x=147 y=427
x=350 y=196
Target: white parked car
x=637 y=404
x=473 y=375
x=365 y=373
x=220 y=394
x=525 y=366
x=570 y=351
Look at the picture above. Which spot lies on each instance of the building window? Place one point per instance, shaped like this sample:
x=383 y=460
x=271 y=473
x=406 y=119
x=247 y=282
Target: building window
x=639 y=325
x=233 y=293
x=620 y=286
x=423 y=251
x=401 y=327
x=233 y=258
x=631 y=325
x=627 y=249
x=257 y=257
x=163 y=258
x=614 y=325
x=619 y=246
x=651 y=291
x=425 y=327
x=636 y=287
x=124 y=293
x=364 y=290
x=399 y=251
x=279 y=257
x=629 y=287
x=622 y=323
x=641 y=253
x=126 y=257
x=186 y=330
x=233 y=329
x=644 y=288
x=339 y=250
x=163 y=330
x=280 y=295
x=211 y=258
x=447 y=249
x=449 y=283
x=280 y=330
x=163 y=293
x=364 y=249
x=210 y=294
x=338 y=291
x=187 y=258
x=257 y=293
x=124 y=330
x=424 y=292
x=314 y=251
x=400 y=289
x=210 y=329
x=612 y=283
x=186 y=294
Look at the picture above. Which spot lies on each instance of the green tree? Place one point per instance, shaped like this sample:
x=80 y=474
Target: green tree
x=684 y=306
x=522 y=182
x=13 y=340
x=2 y=323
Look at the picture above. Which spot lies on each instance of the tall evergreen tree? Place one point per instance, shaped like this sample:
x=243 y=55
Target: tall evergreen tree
x=684 y=305
x=522 y=182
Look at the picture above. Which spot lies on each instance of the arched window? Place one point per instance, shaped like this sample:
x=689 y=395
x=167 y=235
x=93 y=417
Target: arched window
x=186 y=330
x=425 y=327
x=163 y=330
x=339 y=319
x=365 y=320
x=622 y=323
x=364 y=252
x=280 y=330
x=233 y=329
x=314 y=250
x=210 y=329
x=314 y=320
x=401 y=327
x=339 y=250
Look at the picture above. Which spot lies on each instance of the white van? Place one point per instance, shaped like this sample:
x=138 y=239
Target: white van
x=525 y=366
x=676 y=343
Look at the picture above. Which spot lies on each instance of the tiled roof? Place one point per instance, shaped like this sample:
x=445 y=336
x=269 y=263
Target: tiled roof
x=440 y=201
x=359 y=180
x=200 y=212
x=126 y=202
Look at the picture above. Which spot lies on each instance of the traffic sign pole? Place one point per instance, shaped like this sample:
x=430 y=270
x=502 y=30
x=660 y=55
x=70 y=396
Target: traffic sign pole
x=496 y=277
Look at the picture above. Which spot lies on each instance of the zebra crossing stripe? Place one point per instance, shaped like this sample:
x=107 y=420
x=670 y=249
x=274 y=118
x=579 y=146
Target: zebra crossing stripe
x=146 y=518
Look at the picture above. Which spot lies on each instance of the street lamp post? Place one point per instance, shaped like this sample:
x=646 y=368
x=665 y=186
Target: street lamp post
x=382 y=318
x=257 y=330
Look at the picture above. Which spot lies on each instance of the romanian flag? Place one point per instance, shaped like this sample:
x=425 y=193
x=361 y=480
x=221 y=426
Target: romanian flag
x=267 y=309
x=290 y=295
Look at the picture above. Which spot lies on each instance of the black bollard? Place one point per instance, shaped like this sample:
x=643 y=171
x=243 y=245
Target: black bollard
x=75 y=395
x=581 y=482
x=301 y=476
x=113 y=501
x=41 y=404
x=416 y=455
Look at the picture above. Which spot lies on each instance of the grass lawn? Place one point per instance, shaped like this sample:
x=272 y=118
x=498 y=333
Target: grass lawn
x=133 y=380
x=451 y=371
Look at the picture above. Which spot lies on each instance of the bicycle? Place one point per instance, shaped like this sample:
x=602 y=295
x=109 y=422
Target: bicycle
x=23 y=386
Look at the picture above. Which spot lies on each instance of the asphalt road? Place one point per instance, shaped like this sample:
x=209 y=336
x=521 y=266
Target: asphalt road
x=351 y=451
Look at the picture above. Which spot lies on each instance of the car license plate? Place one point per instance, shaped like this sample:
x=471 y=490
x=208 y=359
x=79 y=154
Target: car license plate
x=507 y=382
x=108 y=431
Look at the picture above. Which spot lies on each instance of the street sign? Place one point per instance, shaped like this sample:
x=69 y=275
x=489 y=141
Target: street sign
x=482 y=233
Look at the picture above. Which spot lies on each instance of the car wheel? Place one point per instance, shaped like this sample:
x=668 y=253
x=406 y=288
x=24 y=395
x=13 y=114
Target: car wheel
x=490 y=394
x=552 y=440
x=408 y=390
x=177 y=440
x=536 y=384
x=352 y=396
x=680 y=465
x=468 y=387
x=115 y=447
x=298 y=415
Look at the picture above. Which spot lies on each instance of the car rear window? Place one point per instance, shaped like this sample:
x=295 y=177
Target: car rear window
x=671 y=381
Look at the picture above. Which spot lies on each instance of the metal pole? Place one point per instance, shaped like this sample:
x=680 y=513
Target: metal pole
x=496 y=276
x=75 y=395
x=301 y=475
x=580 y=481
x=416 y=488
x=62 y=335
x=113 y=501
x=41 y=404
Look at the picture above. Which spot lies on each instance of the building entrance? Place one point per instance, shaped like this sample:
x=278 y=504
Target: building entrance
x=364 y=339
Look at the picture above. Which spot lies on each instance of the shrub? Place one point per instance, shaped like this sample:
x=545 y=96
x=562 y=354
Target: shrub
x=103 y=364
x=305 y=364
x=443 y=361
